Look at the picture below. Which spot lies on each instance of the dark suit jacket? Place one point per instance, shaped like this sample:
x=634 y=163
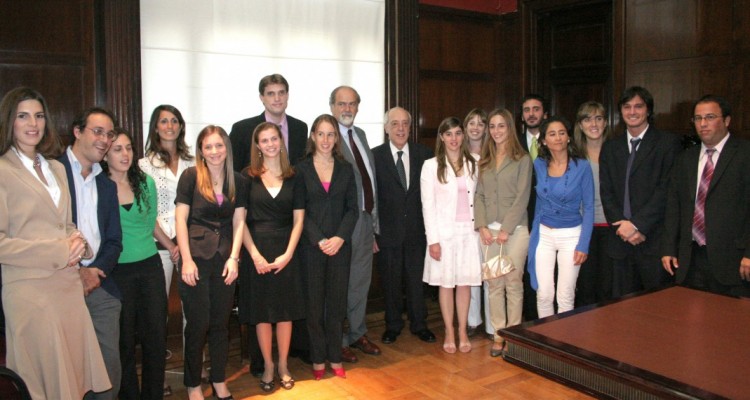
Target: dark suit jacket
x=727 y=211
x=242 y=134
x=532 y=197
x=108 y=216
x=400 y=211
x=332 y=213
x=210 y=227
x=649 y=176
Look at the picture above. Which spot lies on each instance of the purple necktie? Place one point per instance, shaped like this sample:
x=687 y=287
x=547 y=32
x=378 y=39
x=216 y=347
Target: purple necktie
x=699 y=216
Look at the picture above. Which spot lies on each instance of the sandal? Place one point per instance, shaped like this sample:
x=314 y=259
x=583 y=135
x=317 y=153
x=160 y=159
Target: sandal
x=287 y=384
x=464 y=347
x=449 y=348
x=267 y=386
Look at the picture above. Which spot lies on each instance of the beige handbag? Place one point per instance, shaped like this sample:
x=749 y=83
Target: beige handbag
x=497 y=266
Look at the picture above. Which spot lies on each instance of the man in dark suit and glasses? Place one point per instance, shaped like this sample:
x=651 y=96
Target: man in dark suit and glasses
x=634 y=172
x=706 y=241
x=402 y=241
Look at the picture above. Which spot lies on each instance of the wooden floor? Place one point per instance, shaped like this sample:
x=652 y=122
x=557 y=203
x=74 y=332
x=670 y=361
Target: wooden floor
x=407 y=369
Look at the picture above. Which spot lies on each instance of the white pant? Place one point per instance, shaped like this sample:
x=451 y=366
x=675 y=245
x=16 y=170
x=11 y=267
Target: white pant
x=561 y=244
x=475 y=308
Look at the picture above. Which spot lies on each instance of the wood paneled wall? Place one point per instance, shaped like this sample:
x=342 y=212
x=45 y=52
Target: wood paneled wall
x=464 y=62
x=683 y=49
x=78 y=54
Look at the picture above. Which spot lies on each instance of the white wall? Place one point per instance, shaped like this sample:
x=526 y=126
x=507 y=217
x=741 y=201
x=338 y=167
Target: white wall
x=206 y=57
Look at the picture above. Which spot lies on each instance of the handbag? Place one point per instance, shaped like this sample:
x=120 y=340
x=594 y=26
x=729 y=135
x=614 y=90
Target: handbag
x=497 y=266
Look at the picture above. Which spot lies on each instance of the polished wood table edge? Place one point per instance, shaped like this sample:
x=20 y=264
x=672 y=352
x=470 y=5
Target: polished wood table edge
x=645 y=380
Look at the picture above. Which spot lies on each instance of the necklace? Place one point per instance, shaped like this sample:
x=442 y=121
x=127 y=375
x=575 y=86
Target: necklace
x=37 y=161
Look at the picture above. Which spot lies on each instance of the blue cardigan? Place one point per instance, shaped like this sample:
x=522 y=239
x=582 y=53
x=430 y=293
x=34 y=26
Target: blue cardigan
x=566 y=204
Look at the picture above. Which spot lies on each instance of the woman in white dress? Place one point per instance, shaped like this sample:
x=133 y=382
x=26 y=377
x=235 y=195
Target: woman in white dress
x=452 y=261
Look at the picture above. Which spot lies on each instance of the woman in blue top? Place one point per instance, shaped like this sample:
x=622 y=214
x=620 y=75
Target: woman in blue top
x=563 y=217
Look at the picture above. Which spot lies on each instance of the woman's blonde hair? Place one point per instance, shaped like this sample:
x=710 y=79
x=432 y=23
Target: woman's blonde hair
x=512 y=146
x=204 y=183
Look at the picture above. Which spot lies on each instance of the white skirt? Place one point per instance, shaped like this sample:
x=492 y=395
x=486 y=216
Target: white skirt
x=460 y=262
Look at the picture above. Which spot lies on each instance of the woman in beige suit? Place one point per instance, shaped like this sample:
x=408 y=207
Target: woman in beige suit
x=500 y=215
x=50 y=338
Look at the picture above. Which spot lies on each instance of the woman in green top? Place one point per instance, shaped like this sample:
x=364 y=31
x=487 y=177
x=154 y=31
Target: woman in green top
x=139 y=273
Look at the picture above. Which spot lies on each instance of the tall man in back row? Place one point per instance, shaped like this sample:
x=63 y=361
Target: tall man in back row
x=402 y=241
x=707 y=229
x=274 y=94
x=344 y=103
x=634 y=172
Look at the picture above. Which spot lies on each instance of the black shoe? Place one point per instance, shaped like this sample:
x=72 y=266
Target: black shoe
x=472 y=330
x=426 y=335
x=256 y=372
x=389 y=337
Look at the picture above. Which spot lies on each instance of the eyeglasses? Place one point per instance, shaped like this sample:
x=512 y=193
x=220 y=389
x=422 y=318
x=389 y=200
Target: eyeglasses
x=99 y=132
x=708 y=118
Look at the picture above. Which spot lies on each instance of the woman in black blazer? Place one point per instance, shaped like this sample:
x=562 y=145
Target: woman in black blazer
x=209 y=220
x=331 y=212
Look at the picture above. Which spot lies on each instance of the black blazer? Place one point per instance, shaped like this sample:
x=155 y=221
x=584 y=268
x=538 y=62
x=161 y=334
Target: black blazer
x=332 y=213
x=242 y=134
x=210 y=227
x=727 y=211
x=400 y=211
x=649 y=177
x=108 y=217
x=531 y=208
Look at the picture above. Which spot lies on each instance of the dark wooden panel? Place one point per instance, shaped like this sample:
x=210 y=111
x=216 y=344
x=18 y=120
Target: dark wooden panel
x=52 y=26
x=456 y=44
x=61 y=85
x=573 y=53
x=678 y=65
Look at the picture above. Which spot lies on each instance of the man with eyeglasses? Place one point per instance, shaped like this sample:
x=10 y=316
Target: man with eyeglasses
x=96 y=214
x=706 y=244
x=633 y=173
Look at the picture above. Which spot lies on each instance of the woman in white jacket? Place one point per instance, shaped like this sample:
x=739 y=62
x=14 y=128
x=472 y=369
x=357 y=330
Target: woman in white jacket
x=452 y=260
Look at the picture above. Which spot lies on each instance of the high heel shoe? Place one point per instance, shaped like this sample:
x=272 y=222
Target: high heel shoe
x=216 y=394
x=339 y=372
x=318 y=374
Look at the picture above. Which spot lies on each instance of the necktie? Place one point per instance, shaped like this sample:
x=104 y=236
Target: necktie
x=401 y=170
x=534 y=150
x=699 y=216
x=366 y=182
x=626 y=203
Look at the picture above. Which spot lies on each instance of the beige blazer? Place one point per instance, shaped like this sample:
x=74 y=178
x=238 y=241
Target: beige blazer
x=33 y=231
x=503 y=194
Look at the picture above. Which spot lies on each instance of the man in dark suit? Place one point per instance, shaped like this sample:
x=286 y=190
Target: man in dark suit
x=402 y=242
x=533 y=112
x=96 y=214
x=707 y=229
x=634 y=172
x=344 y=102
x=274 y=94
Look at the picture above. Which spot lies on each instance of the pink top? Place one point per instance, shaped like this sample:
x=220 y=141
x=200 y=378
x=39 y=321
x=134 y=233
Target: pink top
x=326 y=186
x=219 y=198
x=463 y=213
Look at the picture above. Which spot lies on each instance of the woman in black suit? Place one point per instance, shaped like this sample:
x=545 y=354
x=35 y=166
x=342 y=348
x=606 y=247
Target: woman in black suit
x=331 y=212
x=209 y=219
